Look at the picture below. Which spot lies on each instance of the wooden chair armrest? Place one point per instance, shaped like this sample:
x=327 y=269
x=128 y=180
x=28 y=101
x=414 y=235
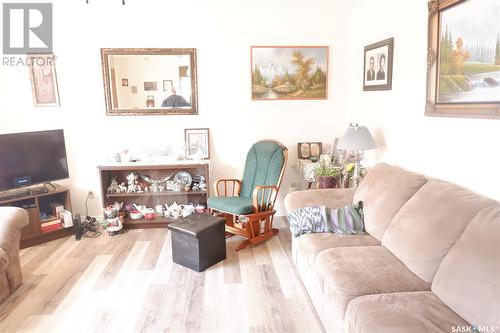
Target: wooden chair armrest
x=260 y=216
x=264 y=198
x=235 y=185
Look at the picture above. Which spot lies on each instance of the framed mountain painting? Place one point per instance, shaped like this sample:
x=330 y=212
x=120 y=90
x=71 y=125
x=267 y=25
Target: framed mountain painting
x=289 y=72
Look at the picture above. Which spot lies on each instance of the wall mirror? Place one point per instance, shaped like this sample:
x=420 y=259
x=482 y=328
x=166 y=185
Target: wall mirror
x=150 y=81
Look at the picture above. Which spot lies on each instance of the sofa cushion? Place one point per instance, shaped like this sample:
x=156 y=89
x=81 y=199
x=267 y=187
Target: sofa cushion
x=308 y=246
x=4 y=260
x=428 y=225
x=233 y=205
x=401 y=312
x=384 y=190
x=348 y=272
x=468 y=280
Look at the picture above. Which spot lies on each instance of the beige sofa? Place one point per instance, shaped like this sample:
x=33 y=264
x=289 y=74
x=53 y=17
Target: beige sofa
x=430 y=261
x=12 y=220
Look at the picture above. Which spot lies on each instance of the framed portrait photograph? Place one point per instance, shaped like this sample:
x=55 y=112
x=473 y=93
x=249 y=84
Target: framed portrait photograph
x=124 y=82
x=463 y=60
x=150 y=86
x=43 y=77
x=377 y=68
x=309 y=150
x=289 y=72
x=167 y=85
x=198 y=142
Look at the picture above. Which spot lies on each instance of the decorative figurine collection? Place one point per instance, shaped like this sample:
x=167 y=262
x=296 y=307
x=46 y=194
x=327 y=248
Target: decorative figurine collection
x=115 y=214
x=138 y=183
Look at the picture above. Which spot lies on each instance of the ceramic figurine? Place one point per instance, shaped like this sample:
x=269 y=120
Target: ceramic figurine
x=113 y=187
x=187 y=210
x=159 y=209
x=122 y=188
x=203 y=184
x=199 y=208
x=117 y=206
x=132 y=183
x=175 y=210
x=109 y=212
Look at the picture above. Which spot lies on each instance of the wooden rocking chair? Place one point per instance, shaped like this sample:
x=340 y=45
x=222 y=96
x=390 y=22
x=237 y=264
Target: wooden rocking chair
x=248 y=204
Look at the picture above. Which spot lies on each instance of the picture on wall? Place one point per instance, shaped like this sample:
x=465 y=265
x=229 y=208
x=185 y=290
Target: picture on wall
x=197 y=142
x=124 y=82
x=469 y=53
x=167 y=85
x=463 y=58
x=377 y=69
x=150 y=86
x=289 y=72
x=43 y=77
x=309 y=150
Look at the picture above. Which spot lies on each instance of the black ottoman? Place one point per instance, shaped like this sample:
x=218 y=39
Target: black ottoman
x=198 y=241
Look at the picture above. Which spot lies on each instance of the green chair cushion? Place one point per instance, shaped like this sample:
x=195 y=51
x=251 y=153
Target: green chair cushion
x=232 y=205
x=263 y=166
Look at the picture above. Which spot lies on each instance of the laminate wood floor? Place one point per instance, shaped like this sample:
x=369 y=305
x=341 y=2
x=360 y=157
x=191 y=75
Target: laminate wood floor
x=128 y=283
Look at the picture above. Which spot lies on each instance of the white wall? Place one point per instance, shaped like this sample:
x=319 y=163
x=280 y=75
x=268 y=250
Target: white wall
x=459 y=150
x=464 y=151
x=222 y=31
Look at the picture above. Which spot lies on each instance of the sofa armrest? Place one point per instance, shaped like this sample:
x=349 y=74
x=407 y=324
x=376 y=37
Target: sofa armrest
x=332 y=198
x=12 y=220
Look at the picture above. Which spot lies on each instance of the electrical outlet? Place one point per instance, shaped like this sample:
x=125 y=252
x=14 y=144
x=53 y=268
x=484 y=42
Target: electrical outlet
x=90 y=195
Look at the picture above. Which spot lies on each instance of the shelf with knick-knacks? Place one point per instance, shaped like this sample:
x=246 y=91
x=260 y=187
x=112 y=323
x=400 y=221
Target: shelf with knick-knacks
x=145 y=191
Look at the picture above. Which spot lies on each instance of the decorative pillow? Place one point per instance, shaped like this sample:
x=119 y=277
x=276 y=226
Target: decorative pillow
x=347 y=220
x=308 y=220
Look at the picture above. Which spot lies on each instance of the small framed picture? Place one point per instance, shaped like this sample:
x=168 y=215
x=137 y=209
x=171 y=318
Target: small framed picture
x=198 y=142
x=150 y=86
x=377 y=69
x=309 y=150
x=124 y=82
x=167 y=85
x=43 y=80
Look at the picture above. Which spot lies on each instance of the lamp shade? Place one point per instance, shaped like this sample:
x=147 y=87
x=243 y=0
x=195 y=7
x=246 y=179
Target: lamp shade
x=357 y=138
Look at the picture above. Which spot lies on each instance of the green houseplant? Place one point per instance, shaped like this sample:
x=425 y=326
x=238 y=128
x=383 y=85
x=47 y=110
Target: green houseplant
x=327 y=175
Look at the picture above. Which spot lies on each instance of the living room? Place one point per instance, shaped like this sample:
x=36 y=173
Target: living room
x=131 y=280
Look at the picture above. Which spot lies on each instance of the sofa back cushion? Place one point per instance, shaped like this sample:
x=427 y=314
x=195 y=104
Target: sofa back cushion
x=468 y=280
x=430 y=223
x=384 y=190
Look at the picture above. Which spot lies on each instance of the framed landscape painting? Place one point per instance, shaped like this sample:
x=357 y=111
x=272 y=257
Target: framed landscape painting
x=289 y=72
x=377 y=72
x=463 y=62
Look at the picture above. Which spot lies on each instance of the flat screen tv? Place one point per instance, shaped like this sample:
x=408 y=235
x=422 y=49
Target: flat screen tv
x=32 y=158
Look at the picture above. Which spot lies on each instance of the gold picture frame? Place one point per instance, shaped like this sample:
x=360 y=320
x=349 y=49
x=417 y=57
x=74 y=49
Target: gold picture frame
x=433 y=106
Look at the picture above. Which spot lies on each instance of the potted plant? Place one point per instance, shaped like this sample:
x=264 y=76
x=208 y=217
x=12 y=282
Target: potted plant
x=327 y=175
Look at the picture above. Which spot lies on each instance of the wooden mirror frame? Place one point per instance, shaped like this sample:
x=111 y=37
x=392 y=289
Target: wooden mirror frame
x=110 y=111
x=432 y=107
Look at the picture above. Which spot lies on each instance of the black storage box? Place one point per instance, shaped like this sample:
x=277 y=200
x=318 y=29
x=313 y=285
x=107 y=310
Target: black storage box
x=198 y=241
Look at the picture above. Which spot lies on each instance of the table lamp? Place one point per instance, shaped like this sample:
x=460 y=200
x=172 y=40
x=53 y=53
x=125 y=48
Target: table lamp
x=357 y=139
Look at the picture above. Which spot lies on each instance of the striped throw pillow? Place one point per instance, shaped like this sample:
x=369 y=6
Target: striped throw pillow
x=348 y=220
